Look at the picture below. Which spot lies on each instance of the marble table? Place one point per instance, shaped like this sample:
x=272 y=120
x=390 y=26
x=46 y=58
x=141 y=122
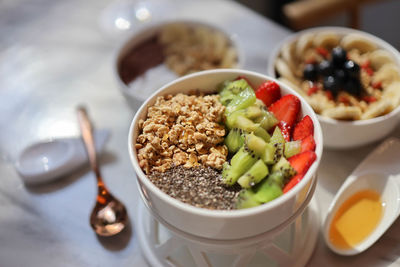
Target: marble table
x=57 y=54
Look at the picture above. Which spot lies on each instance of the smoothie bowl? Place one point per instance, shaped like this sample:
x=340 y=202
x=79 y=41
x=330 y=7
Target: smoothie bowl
x=225 y=154
x=350 y=78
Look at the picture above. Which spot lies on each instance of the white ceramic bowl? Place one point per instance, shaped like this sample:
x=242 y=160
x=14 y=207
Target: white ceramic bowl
x=348 y=134
x=219 y=224
x=136 y=94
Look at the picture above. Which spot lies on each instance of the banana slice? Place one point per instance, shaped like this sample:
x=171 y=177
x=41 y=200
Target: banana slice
x=284 y=70
x=392 y=93
x=357 y=41
x=304 y=42
x=387 y=74
x=288 y=55
x=319 y=102
x=287 y=52
x=343 y=113
x=380 y=57
x=326 y=39
x=376 y=109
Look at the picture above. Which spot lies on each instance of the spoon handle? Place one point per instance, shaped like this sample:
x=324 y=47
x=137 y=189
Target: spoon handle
x=87 y=136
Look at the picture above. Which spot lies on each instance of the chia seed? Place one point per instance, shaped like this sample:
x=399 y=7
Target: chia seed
x=199 y=186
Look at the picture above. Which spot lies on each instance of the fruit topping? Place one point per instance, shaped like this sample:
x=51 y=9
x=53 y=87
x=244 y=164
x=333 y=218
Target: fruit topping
x=268 y=92
x=339 y=56
x=303 y=128
x=301 y=163
x=286 y=109
x=286 y=130
x=330 y=83
x=308 y=144
x=352 y=69
x=325 y=68
x=313 y=89
x=310 y=72
x=259 y=162
x=322 y=51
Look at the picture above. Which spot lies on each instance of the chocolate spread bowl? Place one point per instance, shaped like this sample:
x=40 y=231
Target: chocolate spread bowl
x=341 y=134
x=221 y=224
x=141 y=52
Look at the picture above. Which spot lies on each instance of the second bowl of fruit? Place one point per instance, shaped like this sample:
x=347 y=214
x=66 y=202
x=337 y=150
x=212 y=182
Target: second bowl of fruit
x=350 y=78
x=225 y=154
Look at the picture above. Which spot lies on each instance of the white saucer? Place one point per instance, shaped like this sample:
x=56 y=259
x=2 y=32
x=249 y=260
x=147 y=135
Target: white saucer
x=164 y=245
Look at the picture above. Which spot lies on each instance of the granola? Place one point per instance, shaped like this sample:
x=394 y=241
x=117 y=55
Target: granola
x=182 y=130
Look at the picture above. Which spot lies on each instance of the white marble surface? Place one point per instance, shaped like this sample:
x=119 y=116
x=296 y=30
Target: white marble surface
x=55 y=55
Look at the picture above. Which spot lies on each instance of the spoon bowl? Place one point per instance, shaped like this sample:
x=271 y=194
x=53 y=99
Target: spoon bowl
x=109 y=216
x=387 y=186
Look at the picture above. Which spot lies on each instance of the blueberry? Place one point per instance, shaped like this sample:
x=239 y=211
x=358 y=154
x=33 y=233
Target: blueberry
x=340 y=76
x=325 y=68
x=310 y=72
x=331 y=84
x=352 y=68
x=339 y=56
x=353 y=87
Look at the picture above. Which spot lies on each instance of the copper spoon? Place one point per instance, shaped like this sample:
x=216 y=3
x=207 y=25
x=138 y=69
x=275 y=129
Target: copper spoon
x=109 y=216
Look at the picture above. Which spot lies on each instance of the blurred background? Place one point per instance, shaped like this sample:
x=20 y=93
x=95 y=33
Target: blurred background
x=379 y=17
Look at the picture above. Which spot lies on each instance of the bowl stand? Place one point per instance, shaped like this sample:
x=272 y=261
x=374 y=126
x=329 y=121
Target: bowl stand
x=289 y=244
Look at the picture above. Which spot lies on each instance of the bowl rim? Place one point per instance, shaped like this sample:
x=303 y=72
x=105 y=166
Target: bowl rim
x=341 y=30
x=147 y=31
x=311 y=173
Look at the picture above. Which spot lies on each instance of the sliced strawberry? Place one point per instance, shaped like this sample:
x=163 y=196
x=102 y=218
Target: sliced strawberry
x=322 y=51
x=303 y=128
x=293 y=181
x=286 y=130
x=369 y=99
x=268 y=92
x=302 y=161
x=329 y=95
x=286 y=109
x=344 y=99
x=377 y=85
x=308 y=144
x=312 y=90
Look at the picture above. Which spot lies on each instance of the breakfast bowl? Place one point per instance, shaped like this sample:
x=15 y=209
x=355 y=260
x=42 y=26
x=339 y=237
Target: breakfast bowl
x=162 y=52
x=356 y=100
x=216 y=223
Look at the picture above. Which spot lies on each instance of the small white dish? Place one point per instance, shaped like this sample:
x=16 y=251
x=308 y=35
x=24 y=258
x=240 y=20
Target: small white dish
x=379 y=172
x=48 y=160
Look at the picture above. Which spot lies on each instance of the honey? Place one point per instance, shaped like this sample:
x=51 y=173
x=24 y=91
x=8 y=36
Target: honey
x=356 y=219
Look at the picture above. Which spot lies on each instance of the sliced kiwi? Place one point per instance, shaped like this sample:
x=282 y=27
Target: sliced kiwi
x=277 y=137
x=292 y=148
x=284 y=167
x=246 y=199
x=269 y=188
x=242 y=100
x=267 y=120
x=253 y=112
x=234 y=140
x=254 y=175
x=261 y=148
x=240 y=163
x=230 y=89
